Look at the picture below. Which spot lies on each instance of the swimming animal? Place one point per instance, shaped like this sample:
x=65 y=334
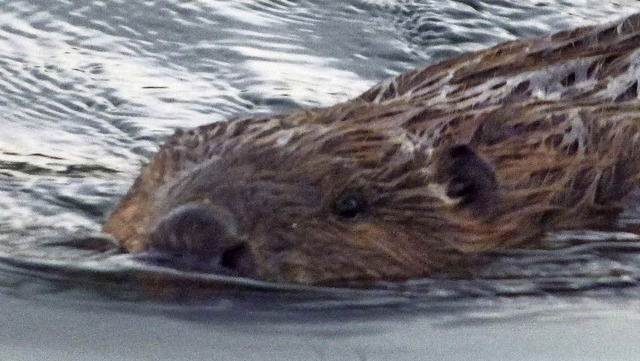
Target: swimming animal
x=487 y=150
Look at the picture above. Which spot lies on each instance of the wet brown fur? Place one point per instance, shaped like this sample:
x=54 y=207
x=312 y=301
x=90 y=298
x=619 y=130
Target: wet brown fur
x=551 y=124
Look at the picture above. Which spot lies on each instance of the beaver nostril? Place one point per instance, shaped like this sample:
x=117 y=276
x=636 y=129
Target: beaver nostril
x=238 y=259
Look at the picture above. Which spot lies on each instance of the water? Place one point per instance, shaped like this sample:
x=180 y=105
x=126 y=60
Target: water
x=89 y=88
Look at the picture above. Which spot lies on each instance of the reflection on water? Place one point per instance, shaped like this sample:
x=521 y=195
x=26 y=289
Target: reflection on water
x=89 y=88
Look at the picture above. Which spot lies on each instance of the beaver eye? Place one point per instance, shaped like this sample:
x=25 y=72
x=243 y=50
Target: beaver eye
x=350 y=205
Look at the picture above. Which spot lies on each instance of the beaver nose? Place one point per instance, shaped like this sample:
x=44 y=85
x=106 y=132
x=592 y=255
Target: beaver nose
x=201 y=238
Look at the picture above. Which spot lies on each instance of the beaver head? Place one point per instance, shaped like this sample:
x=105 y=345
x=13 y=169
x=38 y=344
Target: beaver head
x=487 y=149
x=310 y=203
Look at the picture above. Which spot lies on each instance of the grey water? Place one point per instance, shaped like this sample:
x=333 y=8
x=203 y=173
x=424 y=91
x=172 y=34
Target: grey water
x=88 y=89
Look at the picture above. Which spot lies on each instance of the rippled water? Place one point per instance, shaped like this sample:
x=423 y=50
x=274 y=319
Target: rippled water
x=89 y=88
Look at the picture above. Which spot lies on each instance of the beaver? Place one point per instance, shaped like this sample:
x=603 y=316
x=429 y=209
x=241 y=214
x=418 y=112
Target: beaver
x=487 y=150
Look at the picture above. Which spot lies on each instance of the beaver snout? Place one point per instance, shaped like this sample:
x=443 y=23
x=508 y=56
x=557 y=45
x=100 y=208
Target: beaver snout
x=201 y=237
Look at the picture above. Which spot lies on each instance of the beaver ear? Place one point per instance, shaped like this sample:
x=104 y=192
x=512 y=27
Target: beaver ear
x=469 y=178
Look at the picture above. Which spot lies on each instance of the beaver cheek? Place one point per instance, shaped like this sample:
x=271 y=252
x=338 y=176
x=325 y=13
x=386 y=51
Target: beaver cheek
x=199 y=237
x=389 y=247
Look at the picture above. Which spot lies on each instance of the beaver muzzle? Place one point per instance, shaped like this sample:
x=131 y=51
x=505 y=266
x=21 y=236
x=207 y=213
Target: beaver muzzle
x=200 y=237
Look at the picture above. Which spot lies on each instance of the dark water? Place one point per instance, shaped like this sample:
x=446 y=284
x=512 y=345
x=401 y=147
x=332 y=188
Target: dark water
x=89 y=88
